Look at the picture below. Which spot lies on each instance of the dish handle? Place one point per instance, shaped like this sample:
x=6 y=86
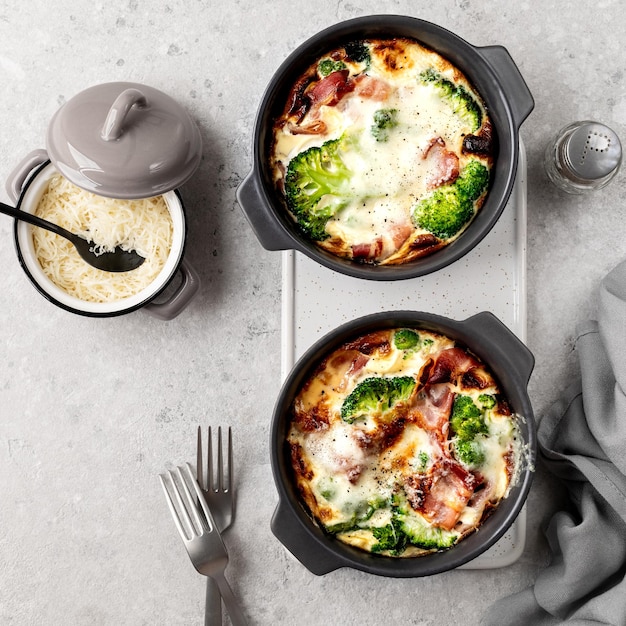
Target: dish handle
x=519 y=358
x=313 y=555
x=17 y=178
x=269 y=232
x=180 y=298
x=518 y=94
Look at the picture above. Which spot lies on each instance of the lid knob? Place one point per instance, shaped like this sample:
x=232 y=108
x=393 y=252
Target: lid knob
x=114 y=123
x=124 y=140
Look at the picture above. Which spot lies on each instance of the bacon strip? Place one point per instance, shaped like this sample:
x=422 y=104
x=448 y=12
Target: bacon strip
x=449 y=494
x=370 y=343
x=450 y=365
x=400 y=233
x=330 y=89
x=298 y=105
x=359 y=362
x=367 y=251
x=314 y=419
x=383 y=246
x=443 y=163
x=318 y=127
x=371 y=88
x=475 y=378
x=345 y=365
x=416 y=489
x=351 y=469
x=432 y=409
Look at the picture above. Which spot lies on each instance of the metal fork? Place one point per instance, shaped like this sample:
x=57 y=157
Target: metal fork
x=218 y=491
x=200 y=534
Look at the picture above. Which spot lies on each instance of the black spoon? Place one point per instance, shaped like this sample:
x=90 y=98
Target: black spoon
x=116 y=261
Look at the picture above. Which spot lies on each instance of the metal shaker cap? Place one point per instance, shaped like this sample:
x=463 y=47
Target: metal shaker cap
x=593 y=151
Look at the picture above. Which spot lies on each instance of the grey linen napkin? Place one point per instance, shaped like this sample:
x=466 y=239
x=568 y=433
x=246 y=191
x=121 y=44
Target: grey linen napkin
x=582 y=441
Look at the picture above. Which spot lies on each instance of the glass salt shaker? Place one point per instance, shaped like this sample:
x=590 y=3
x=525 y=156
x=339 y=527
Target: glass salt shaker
x=583 y=156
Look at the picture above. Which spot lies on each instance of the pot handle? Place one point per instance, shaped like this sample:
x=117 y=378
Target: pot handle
x=519 y=356
x=269 y=232
x=20 y=173
x=288 y=530
x=175 y=304
x=519 y=96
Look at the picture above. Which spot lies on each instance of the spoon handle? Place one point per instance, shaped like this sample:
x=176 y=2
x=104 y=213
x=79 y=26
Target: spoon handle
x=36 y=221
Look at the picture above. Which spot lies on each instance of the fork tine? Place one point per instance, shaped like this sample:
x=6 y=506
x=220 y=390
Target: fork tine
x=220 y=460
x=209 y=462
x=208 y=516
x=180 y=512
x=220 y=480
x=186 y=515
x=182 y=531
x=189 y=505
x=200 y=472
x=230 y=460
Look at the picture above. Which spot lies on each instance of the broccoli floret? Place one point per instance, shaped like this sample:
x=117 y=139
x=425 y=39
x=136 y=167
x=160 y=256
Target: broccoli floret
x=487 y=401
x=470 y=452
x=400 y=389
x=466 y=419
x=390 y=538
x=473 y=180
x=316 y=186
x=384 y=121
x=407 y=529
x=376 y=395
x=405 y=339
x=442 y=213
x=468 y=423
x=422 y=461
x=341 y=527
x=366 y=397
x=328 y=66
x=359 y=515
x=327 y=488
x=358 y=52
x=461 y=100
x=450 y=207
x=424 y=536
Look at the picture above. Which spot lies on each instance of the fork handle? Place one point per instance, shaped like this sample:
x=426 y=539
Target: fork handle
x=213 y=604
x=234 y=611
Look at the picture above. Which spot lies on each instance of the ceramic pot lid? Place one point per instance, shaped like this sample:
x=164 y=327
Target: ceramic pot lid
x=124 y=140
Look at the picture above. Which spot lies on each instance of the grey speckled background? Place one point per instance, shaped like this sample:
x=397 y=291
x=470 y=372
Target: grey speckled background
x=92 y=410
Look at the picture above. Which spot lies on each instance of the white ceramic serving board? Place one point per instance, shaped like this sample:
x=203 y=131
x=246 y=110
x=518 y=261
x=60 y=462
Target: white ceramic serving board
x=492 y=277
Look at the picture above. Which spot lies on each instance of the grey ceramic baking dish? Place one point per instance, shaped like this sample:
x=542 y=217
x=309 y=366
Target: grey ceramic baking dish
x=492 y=72
x=508 y=359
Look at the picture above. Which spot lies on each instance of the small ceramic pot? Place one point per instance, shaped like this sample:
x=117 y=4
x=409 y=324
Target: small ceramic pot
x=119 y=140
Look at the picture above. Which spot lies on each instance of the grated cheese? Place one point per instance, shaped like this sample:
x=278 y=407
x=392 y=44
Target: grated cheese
x=143 y=225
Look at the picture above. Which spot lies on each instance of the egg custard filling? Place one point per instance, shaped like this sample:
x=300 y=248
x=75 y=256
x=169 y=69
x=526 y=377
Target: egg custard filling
x=402 y=443
x=383 y=152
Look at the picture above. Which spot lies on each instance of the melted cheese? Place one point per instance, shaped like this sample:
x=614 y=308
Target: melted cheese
x=358 y=472
x=387 y=177
x=142 y=225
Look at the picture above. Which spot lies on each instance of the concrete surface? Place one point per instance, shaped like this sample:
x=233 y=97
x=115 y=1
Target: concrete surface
x=92 y=410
